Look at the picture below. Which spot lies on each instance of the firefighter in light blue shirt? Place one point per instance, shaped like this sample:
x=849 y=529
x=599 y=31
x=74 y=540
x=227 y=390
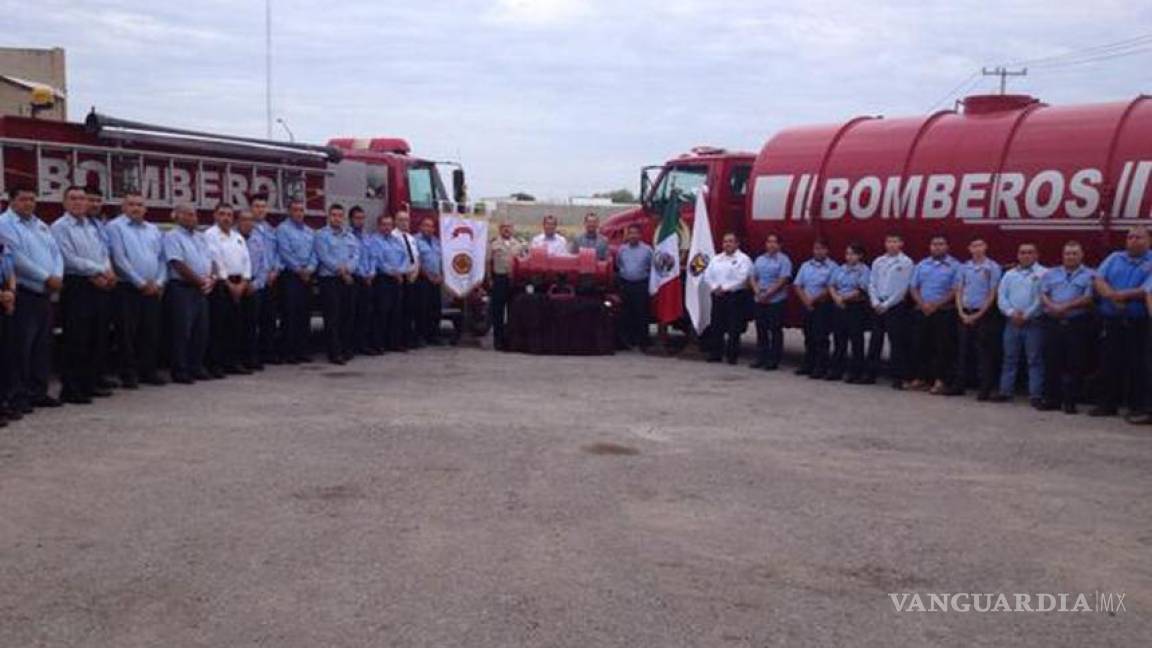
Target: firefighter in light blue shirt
x=1019 y=300
x=429 y=282
x=771 y=274
x=338 y=254
x=296 y=245
x=1124 y=317
x=980 y=326
x=85 y=300
x=848 y=290
x=933 y=289
x=1066 y=292
x=190 y=279
x=363 y=300
x=811 y=286
x=633 y=265
x=261 y=257
x=391 y=258
x=138 y=255
x=268 y=300
x=7 y=306
x=39 y=269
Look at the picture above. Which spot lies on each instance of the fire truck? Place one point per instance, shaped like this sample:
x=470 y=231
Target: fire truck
x=1009 y=168
x=171 y=165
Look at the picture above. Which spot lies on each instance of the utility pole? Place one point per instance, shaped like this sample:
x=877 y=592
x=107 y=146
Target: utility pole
x=268 y=66
x=1004 y=73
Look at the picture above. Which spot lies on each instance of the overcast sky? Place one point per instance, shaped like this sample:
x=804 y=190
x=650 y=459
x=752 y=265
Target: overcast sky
x=565 y=97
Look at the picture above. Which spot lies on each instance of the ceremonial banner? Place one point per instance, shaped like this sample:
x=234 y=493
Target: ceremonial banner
x=664 y=280
x=697 y=295
x=464 y=248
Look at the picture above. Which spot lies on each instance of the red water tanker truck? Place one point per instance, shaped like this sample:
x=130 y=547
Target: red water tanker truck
x=1009 y=168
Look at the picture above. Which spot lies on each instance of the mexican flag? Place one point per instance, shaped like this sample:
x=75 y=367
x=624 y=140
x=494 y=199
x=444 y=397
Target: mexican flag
x=664 y=281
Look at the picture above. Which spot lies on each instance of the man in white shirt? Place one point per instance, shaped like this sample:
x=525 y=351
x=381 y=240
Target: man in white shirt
x=549 y=239
x=232 y=273
x=888 y=292
x=727 y=277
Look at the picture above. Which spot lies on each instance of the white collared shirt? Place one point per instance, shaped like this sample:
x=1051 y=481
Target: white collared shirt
x=555 y=245
x=229 y=253
x=728 y=271
x=889 y=280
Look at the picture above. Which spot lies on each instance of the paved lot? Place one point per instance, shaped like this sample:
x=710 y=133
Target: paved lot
x=458 y=497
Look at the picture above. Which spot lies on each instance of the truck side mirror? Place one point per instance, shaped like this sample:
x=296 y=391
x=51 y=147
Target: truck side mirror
x=645 y=185
x=459 y=187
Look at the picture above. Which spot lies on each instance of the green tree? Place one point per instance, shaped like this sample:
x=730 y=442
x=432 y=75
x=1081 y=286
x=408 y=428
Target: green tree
x=523 y=196
x=618 y=196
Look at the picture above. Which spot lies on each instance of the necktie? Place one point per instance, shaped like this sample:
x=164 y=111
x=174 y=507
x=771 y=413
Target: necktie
x=408 y=246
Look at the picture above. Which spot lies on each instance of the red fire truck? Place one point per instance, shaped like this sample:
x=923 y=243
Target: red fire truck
x=170 y=165
x=1007 y=167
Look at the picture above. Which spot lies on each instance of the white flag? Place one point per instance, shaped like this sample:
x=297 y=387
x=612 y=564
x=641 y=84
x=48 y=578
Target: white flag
x=697 y=295
x=463 y=248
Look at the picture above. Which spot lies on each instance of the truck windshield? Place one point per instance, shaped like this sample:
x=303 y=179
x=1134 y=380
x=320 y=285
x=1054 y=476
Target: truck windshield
x=682 y=182
x=425 y=189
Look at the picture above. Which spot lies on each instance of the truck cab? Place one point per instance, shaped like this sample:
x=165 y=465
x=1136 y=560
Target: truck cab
x=381 y=176
x=725 y=173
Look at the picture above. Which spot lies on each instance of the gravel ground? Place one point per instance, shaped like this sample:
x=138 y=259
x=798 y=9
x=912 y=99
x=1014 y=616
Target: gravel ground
x=460 y=497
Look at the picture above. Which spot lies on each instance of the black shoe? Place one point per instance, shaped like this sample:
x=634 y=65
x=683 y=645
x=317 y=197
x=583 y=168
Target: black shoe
x=1070 y=408
x=179 y=379
x=999 y=398
x=201 y=375
x=216 y=374
x=23 y=406
x=714 y=358
x=45 y=401
x=898 y=385
x=271 y=360
x=867 y=380
x=771 y=367
x=1042 y=405
x=303 y=359
x=106 y=383
x=759 y=364
x=802 y=371
x=953 y=391
x=100 y=393
x=1102 y=411
x=851 y=380
x=833 y=376
x=816 y=375
x=154 y=380
x=983 y=397
x=130 y=384
x=237 y=370
x=338 y=361
x=73 y=398
x=11 y=414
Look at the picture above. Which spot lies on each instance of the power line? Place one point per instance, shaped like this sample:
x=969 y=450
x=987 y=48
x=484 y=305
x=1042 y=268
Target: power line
x=1096 y=59
x=1106 y=48
x=960 y=88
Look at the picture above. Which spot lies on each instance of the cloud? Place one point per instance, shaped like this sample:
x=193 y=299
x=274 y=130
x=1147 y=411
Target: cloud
x=538 y=13
x=560 y=97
